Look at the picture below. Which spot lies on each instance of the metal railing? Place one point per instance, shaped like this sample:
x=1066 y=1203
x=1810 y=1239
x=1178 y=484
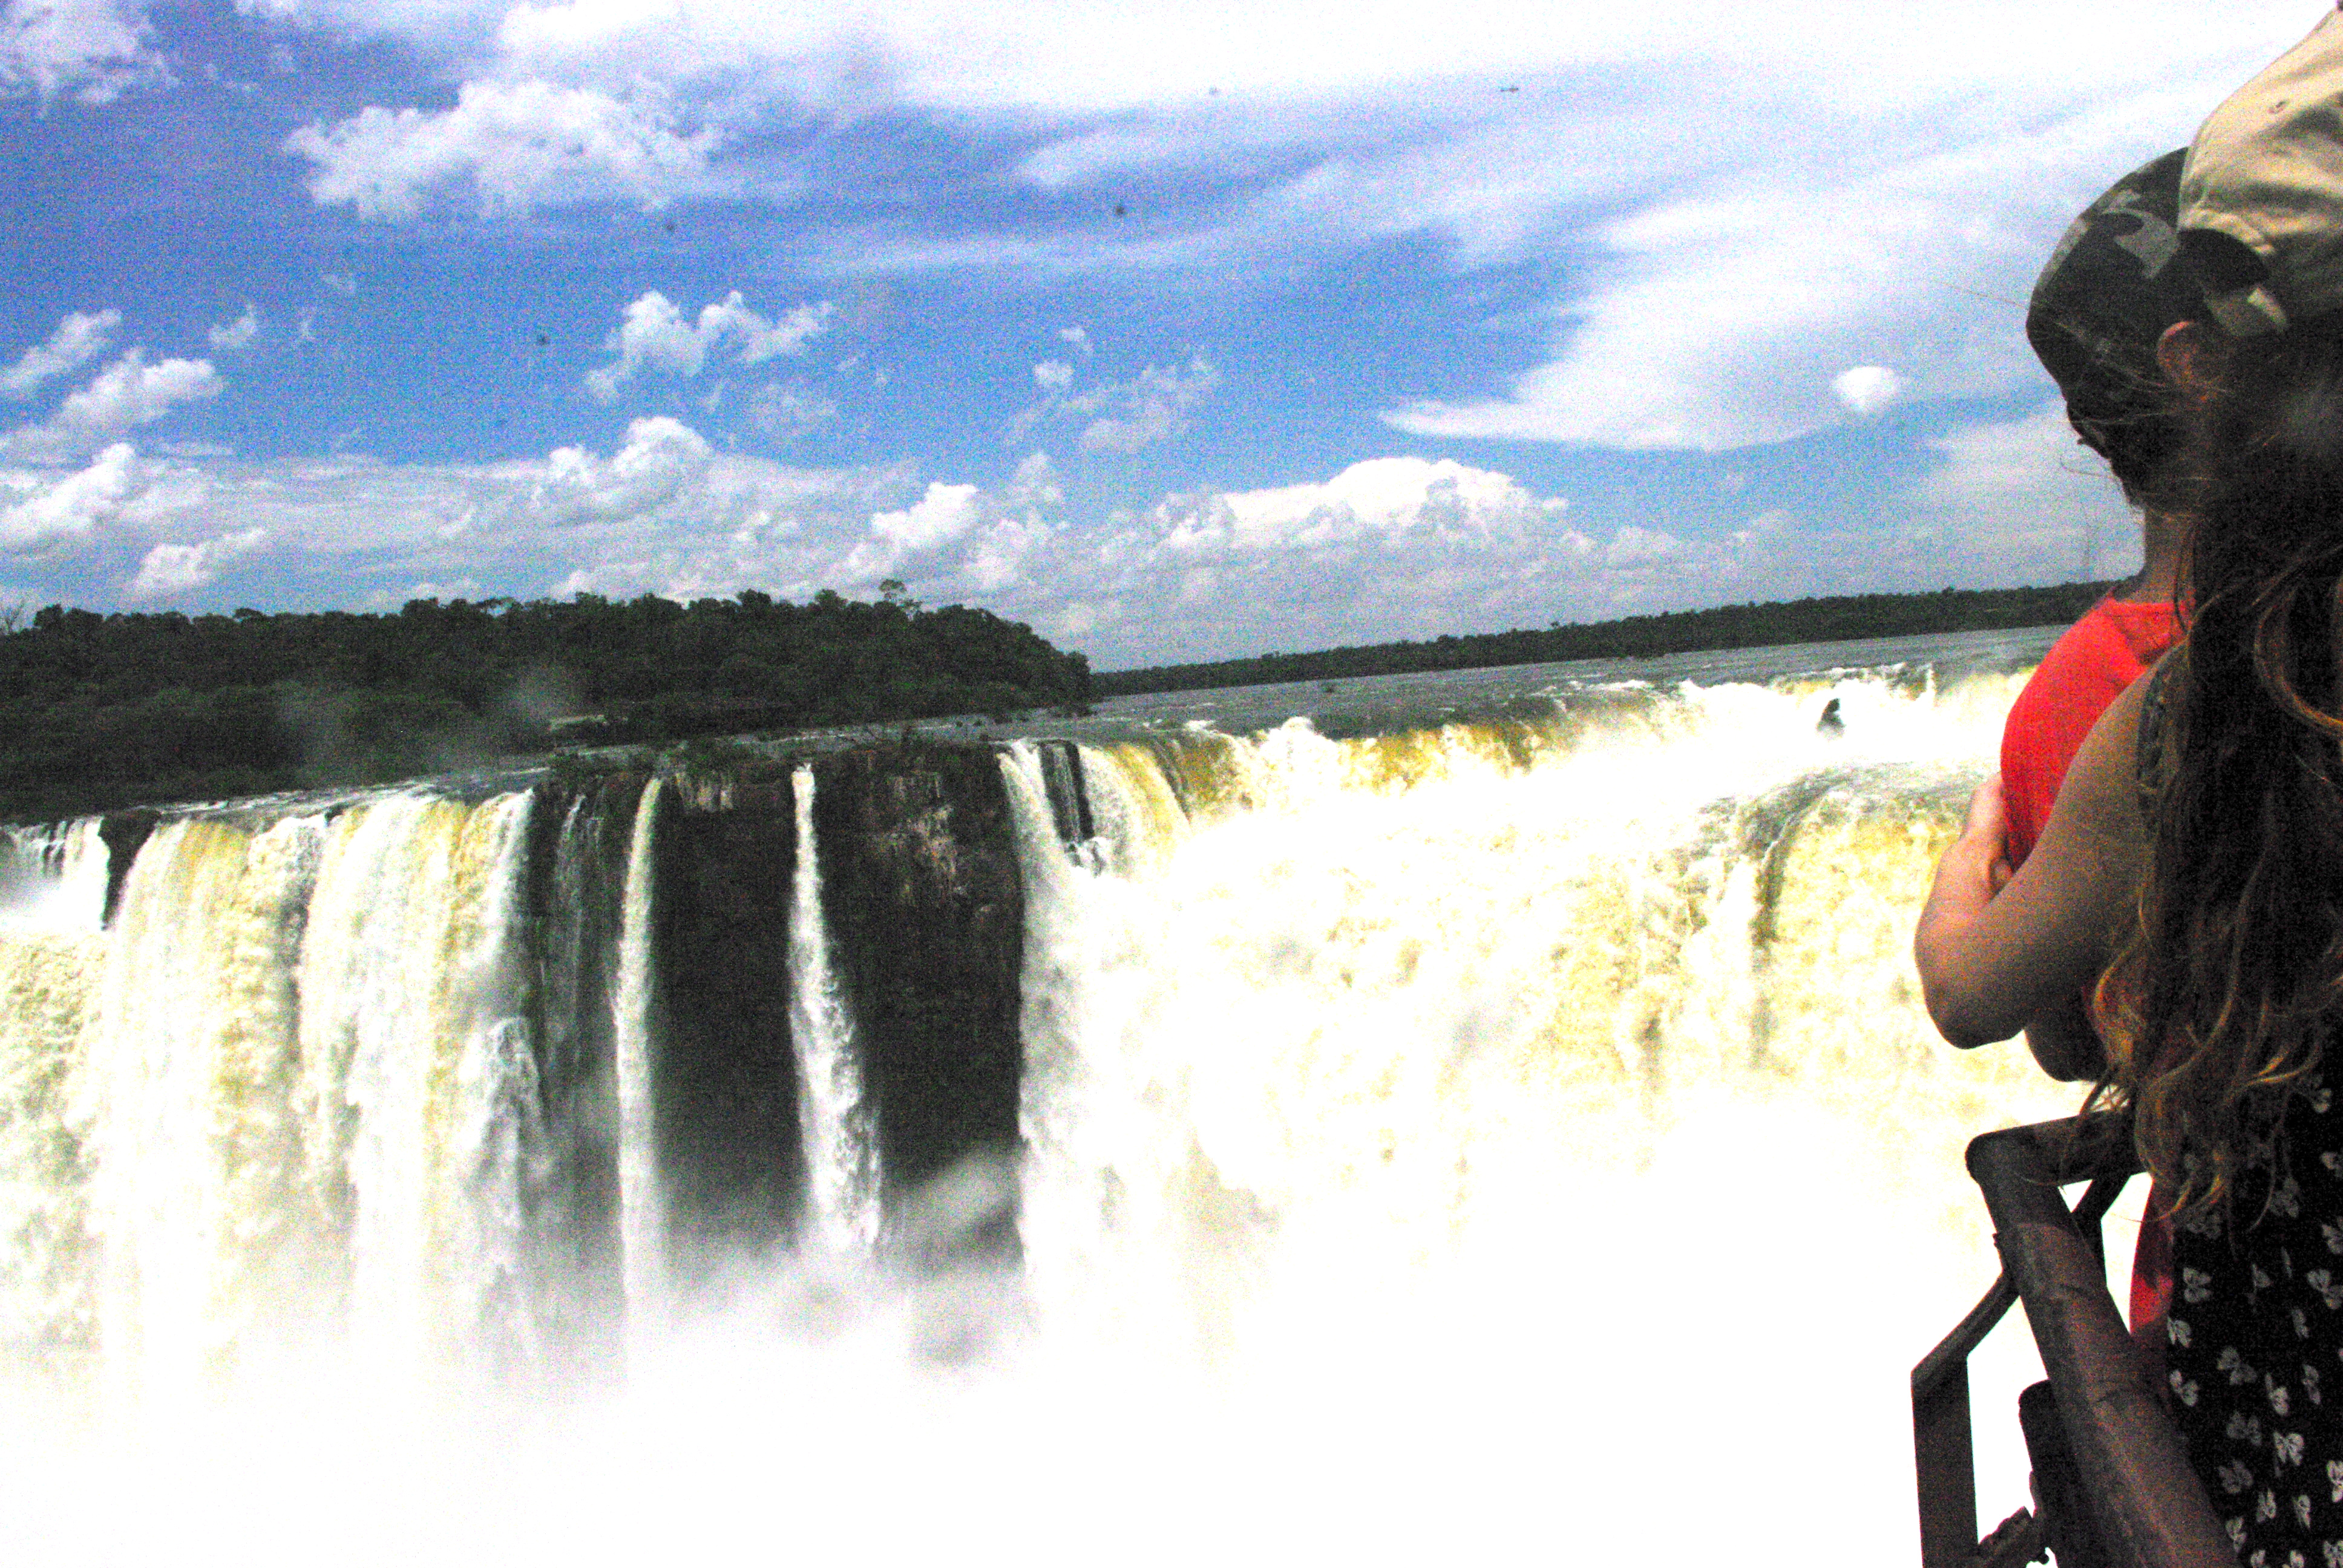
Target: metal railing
x=2111 y=1484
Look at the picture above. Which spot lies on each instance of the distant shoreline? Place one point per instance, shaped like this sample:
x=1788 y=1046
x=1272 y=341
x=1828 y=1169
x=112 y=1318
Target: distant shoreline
x=1846 y=618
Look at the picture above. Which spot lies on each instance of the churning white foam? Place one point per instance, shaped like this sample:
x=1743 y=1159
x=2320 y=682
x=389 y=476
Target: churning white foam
x=1512 y=1140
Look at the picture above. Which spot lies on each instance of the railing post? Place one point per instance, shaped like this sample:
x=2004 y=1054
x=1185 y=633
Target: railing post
x=1945 y=1461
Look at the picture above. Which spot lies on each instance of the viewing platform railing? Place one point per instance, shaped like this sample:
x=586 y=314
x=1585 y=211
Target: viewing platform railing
x=2112 y=1487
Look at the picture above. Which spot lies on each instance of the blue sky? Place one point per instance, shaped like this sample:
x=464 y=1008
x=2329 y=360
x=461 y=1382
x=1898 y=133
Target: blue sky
x=1177 y=332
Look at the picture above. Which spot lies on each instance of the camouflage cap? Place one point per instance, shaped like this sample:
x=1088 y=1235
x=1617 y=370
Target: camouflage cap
x=2265 y=177
x=2111 y=290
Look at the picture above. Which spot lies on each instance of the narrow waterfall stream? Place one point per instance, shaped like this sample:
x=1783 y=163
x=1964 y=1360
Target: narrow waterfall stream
x=842 y=1168
x=1500 y=1137
x=642 y=1229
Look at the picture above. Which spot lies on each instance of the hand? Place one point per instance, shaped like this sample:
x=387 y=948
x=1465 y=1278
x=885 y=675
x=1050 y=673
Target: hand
x=1986 y=832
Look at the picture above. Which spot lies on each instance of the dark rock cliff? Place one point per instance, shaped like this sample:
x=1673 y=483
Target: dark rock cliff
x=723 y=1068
x=925 y=909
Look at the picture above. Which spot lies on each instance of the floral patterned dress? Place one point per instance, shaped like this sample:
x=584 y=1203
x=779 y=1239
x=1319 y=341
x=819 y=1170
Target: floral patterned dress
x=2256 y=1357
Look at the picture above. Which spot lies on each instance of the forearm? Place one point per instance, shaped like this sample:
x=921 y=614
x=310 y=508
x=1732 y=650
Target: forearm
x=1954 y=954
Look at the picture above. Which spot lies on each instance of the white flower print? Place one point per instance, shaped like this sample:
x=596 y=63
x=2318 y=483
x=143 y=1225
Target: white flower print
x=2278 y=1395
x=2266 y=1507
x=2236 y=1528
x=2332 y=1552
x=2231 y=1362
x=2334 y=1233
x=2323 y=1281
x=2243 y=1427
x=2236 y=1477
x=2177 y=1331
x=2262 y=1281
x=2310 y=1385
x=2294 y=1559
x=2197 y=1285
x=2321 y=1098
x=2287 y=1198
x=2335 y=1479
x=2288 y=1446
x=2302 y=1510
x=2183 y=1388
x=2301 y=1321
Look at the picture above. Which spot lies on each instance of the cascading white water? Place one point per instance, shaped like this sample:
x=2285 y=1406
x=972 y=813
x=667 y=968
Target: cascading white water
x=406 y=1004
x=498 y=1142
x=285 y=1101
x=52 y=953
x=1491 y=1140
x=54 y=878
x=188 y=1096
x=841 y=1162
x=641 y=1228
x=1525 y=1076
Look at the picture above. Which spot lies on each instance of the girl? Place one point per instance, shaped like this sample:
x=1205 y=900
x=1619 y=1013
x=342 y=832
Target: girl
x=2193 y=865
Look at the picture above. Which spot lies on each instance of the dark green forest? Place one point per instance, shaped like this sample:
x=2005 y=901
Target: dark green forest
x=105 y=710
x=1641 y=637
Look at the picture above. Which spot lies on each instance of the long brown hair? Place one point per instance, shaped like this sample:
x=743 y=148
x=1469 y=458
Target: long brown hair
x=2226 y=991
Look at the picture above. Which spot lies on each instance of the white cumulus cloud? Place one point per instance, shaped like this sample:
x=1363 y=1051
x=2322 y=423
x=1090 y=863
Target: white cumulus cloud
x=510 y=145
x=79 y=338
x=1053 y=374
x=67 y=510
x=1380 y=497
x=661 y=456
x=653 y=335
x=169 y=570
x=937 y=518
x=92 y=50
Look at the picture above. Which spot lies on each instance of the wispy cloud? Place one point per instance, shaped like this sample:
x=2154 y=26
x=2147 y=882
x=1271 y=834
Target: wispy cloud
x=79 y=338
x=127 y=394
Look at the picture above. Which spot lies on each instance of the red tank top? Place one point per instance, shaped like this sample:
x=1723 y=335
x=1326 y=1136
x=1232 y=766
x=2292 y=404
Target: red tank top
x=2086 y=671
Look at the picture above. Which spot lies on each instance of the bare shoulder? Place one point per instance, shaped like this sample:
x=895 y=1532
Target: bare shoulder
x=2100 y=799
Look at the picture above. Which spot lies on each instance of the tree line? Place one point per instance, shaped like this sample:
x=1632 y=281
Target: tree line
x=104 y=711
x=1840 y=620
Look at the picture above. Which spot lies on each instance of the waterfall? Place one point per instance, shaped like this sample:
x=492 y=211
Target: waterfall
x=51 y=956
x=1499 y=1125
x=1569 y=1051
x=641 y=1229
x=190 y=1100
x=498 y=1134
x=575 y=1250
x=54 y=878
x=841 y=1165
x=407 y=1015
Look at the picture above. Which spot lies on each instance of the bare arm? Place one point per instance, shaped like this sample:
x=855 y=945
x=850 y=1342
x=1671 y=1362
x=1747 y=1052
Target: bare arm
x=1992 y=961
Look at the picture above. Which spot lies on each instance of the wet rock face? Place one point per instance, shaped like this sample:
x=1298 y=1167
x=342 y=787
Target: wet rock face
x=122 y=832
x=577 y=880
x=926 y=916
x=723 y=1071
